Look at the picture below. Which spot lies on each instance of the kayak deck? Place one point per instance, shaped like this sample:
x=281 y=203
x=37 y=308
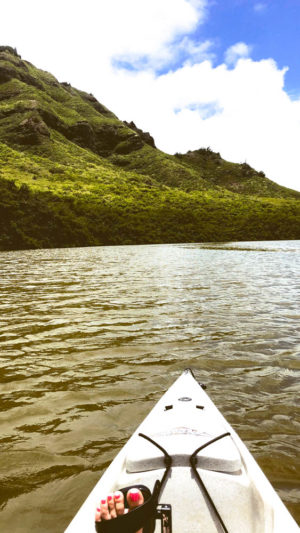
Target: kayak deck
x=183 y=420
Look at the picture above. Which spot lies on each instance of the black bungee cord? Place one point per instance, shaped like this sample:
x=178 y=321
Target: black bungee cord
x=193 y=463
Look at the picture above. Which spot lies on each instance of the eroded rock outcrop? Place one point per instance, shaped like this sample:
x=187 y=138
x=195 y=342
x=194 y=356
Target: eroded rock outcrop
x=32 y=131
x=145 y=136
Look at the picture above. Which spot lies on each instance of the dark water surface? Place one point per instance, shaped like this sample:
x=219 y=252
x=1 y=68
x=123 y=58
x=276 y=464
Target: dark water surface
x=92 y=337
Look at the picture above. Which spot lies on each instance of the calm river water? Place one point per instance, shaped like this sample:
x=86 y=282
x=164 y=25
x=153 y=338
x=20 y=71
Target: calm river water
x=92 y=337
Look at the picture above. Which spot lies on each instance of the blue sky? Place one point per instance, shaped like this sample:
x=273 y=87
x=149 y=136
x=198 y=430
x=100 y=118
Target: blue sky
x=195 y=73
x=271 y=27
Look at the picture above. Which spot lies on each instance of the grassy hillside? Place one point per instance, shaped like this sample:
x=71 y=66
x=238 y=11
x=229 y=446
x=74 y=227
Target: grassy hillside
x=72 y=174
x=240 y=178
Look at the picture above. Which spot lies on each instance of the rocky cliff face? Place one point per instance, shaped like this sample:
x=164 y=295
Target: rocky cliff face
x=145 y=136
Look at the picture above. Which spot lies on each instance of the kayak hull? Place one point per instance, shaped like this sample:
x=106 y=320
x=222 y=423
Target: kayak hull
x=183 y=420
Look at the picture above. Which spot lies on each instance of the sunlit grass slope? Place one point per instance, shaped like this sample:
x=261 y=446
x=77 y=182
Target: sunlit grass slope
x=72 y=174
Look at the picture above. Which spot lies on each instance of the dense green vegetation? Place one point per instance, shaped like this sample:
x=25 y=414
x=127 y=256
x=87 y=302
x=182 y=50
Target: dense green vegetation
x=72 y=174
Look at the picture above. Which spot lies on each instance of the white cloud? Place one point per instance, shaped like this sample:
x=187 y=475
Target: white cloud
x=238 y=108
x=196 y=51
x=73 y=31
x=243 y=112
x=236 y=51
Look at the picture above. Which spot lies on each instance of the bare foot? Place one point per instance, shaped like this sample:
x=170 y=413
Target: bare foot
x=113 y=505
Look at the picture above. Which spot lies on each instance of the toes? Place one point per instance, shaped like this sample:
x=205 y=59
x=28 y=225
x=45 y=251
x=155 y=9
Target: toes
x=98 y=515
x=105 y=514
x=119 y=502
x=134 y=498
x=111 y=506
x=114 y=504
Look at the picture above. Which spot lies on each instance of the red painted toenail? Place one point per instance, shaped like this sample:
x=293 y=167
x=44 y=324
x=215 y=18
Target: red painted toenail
x=117 y=496
x=109 y=498
x=103 y=501
x=134 y=496
x=98 y=510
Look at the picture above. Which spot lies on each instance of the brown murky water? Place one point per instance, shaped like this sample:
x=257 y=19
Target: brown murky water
x=91 y=337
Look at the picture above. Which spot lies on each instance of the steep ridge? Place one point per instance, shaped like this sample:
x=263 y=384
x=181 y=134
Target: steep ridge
x=72 y=173
x=35 y=106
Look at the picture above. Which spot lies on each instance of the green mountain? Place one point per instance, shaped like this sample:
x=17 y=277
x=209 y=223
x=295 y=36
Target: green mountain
x=73 y=174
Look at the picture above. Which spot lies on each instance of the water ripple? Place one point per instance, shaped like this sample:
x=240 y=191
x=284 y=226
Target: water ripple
x=90 y=338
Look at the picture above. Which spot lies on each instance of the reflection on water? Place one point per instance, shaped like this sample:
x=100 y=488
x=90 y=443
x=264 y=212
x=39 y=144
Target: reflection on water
x=91 y=338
